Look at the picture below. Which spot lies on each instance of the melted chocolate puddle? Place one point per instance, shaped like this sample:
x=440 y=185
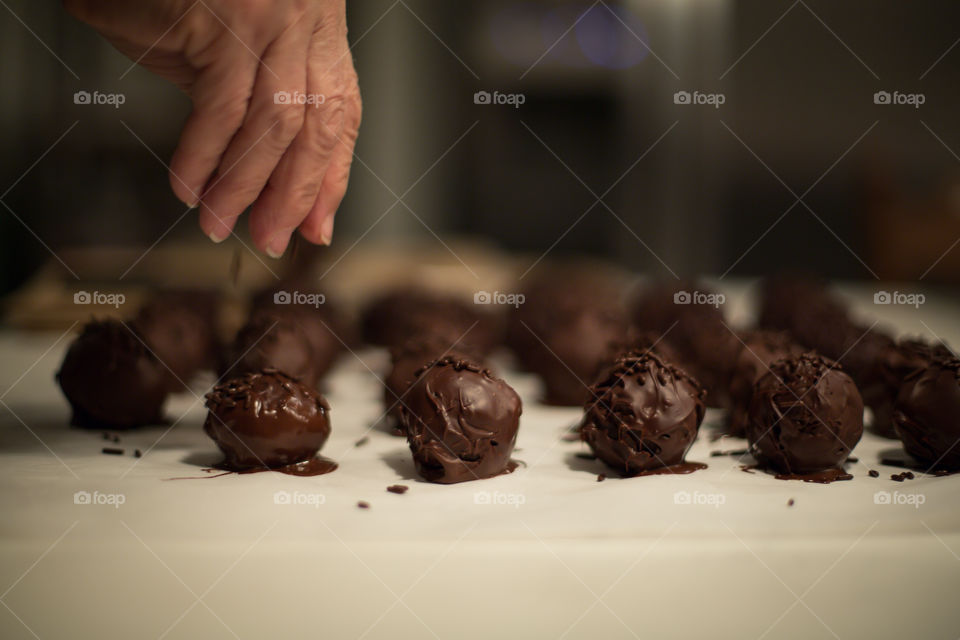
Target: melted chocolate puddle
x=820 y=477
x=674 y=469
x=316 y=466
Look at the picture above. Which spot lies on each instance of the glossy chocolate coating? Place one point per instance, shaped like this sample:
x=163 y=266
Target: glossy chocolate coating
x=112 y=380
x=407 y=359
x=806 y=415
x=461 y=421
x=266 y=419
x=644 y=414
x=926 y=414
x=759 y=350
x=273 y=341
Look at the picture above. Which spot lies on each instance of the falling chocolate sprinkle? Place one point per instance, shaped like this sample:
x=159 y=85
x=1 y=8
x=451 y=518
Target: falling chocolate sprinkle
x=363 y=505
x=790 y=502
x=362 y=441
x=873 y=473
x=398 y=488
x=235 y=266
x=113 y=451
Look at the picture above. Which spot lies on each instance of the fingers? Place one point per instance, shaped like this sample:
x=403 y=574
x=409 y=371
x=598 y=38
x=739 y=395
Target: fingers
x=293 y=187
x=220 y=96
x=273 y=120
x=318 y=226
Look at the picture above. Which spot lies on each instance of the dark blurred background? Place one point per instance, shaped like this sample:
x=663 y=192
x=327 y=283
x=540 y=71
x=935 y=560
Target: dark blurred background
x=686 y=188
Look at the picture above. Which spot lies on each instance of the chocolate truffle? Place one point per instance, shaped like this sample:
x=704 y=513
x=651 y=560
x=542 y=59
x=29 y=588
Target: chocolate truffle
x=266 y=419
x=805 y=417
x=111 y=379
x=407 y=359
x=272 y=341
x=574 y=346
x=402 y=314
x=879 y=369
x=644 y=414
x=181 y=336
x=325 y=343
x=926 y=411
x=759 y=350
x=461 y=421
x=696 y=330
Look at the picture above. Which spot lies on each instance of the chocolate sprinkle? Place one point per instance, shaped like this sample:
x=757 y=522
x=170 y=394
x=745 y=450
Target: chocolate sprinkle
x=363 y=505
x=398 y=488
x=113 y=451
x=873 y=473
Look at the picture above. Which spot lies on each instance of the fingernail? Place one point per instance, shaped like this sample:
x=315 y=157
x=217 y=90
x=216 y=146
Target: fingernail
x=217 y=239
x=326 y=231
x=278 y=244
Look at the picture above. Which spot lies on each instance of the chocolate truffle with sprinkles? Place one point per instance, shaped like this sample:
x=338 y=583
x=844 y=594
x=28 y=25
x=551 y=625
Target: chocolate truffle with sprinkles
x=925 y=415
x=266 y=420
x=112 y=380
x=806 y=415
x=461 y=421
x=643 y=415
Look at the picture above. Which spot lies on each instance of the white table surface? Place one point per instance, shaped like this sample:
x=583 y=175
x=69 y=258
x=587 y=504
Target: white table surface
x=556 y=554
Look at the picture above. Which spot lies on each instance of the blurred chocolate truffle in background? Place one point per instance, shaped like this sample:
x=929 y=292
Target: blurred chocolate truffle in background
x=805 y=417
x=689 y=318
x=406 y=360
x=325 y=326
x=879 y=366
x=461 y=421
x=643 y=415
x=565 y=329
x=112 y=380
x=182 y=333
x=806 y=309
x=266 y=420
x=272 y=341
x=399 y=315
x=926 y=414
x=759 y=350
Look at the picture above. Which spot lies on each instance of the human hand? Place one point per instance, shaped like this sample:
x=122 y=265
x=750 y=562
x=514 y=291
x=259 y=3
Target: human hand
x=243 y=144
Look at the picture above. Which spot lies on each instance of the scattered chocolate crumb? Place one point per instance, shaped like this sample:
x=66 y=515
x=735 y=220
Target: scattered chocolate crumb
x=898 y=477
x=790 y=502
x=853 y=459
x=363 y=505
x=106 y=436
x=398 y=488
x=910 y=475
x=601 y=477
x=113 y=451
x=137 y=453
x=873 y=473
x=362 y=441
x=116 y=438
x=583 y=455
